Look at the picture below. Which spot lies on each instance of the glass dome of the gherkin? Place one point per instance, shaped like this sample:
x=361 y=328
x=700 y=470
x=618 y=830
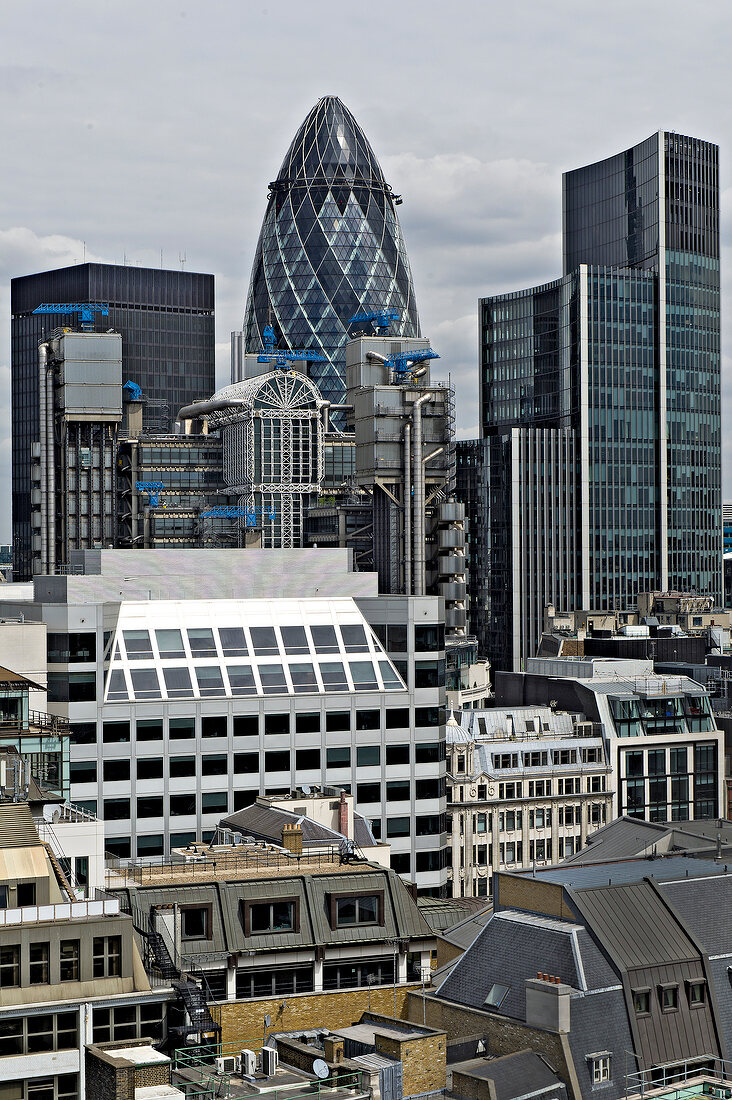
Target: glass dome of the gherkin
x=330 y=246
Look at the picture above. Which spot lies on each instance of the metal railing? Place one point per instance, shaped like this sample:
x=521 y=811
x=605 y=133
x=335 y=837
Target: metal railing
x=246 y=857
x=705 y=1071
x=37 y=720
x=74 y=910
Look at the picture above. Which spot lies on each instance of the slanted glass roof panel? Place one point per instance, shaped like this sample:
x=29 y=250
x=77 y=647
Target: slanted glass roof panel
x=272 y=677
x=170 y=643
x=303 y=678
x=137 y=644
x=264 y=640
x=145 y=683
x=178 y=682
x=210 y=680
x=241 y=679
x=233 y=641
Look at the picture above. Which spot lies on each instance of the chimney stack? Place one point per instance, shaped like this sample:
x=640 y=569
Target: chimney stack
x=343 y=815
x=292 y=838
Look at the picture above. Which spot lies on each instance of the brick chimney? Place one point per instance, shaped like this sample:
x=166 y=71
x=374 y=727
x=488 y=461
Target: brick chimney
x=343 y=815
x=292 y=838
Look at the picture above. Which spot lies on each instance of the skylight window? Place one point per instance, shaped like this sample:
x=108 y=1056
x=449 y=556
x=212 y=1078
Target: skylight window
x=137 y=644
x=295 y=639
x=364 y=677
x=354 y=638
x=145 y=683
x=390 y=678
x=170 y=644
x=303 y=678
x=496 y=995
x=178 y=682
x=325 y=639
x=210 y=680
x=241 y=679
x=202 y=642
x=264 y=641
x=334 y=676
x=233 y=642
x=273 y=679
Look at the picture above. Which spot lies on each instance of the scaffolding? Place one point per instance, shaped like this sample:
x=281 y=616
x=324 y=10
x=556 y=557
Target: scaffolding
x=273 y=427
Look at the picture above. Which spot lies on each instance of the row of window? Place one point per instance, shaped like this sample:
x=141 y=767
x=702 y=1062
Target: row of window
x=668 y=996
x=214 y=681
x=250 y=725
x=106 y=961
x=283 y=915
x=541 y=759
x=537 y=788
x=237 y=641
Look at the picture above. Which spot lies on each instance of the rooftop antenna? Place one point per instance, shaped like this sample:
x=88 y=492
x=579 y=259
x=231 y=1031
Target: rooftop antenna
x=182 y=259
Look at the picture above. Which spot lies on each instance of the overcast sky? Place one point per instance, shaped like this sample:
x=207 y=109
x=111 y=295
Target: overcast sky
x=132 y=128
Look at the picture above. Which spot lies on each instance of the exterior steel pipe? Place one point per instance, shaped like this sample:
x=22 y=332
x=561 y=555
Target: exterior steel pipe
x=202 y=408
x=375 y=355
x=42 y=366
x=51 y=458
x=407 y=495
x=418 y=482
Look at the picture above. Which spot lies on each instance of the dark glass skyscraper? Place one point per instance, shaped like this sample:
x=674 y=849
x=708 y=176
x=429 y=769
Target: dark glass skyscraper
x=600 y=401
x=166 y=319
x=330 y=246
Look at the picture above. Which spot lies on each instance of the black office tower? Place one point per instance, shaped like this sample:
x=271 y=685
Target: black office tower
x=600 y=401
x=166 y=320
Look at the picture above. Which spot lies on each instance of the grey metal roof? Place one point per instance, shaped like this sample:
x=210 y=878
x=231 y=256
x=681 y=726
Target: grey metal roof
x=634 y=926
x=464 y=932
x=514 y=1076
x=626 y=836
x=444 y=913
x=267 y=822
x=632 y=870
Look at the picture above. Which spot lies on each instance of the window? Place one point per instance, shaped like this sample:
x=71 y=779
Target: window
x=334 y=676
x=273 y=679
x=137 y=644
x=368 y=720
x=396 y=639
x=264 y=641
x=429 y=824
x=170 y=644
x=233 y=642
x=210 y=680
x=324 y=639
x=9 y=966
x=214 y=764
x=364 y=677
x=599 y=1067
x=178 y=682
x=669 y=997
x=246 y=725
x=642 y=1001
x=368 y=792
x=338 y=721
x=397 y=790
x=182 y=728
x=429 y=638
x=270 y=916
x=307 y=759
x=304 y=680
x=390 y=677
x=294 y=639
x=116 y=809
x=276 y=761
x=430 y=788
x=196 y=922
x=697 y=993
x=150 y=807
x=349 y=975
x=116 y=771
x=145 y=683
x=276 y=724
x=429 y=752
x=397 y=718
x=338 y=757
x=214 y=802
x=107 y=956
x=397 y=755
x=361 y=909
x=398 y=826
x=26 y=894
x=69 y=960
x=83 y=771
x=149 y=730
x=213 y=725
x=308 y=723
x=182 y=805
x=368 y=756
x=429 y=674
x=83 y=733
x=241 y=681
x=400 y=862
x=428 y=716
x=273 y=983
x=565 y=756
x=202 y=642
x=38 y=963
x=497 y=995
x=246 y=762
x=70 y=648
x=354 y=639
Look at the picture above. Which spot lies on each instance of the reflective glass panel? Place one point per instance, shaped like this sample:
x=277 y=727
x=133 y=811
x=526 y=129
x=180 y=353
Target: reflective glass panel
x=334 y=676
x=145 y=683
x=178 y=682
x=241 y=680
x=303 y=678
x=170 y=643
x=210 y=680
x=233 y=642
x=273 y=679
x=201 y=641
x=390 y=678
x=325 y=639
x=354 y=639
x=295 y=639
x=364 y=677
x=137 y=644
x=117 y=686
x=264 y=640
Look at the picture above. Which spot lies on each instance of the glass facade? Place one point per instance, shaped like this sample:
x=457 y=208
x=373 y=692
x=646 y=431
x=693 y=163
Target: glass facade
x=330 y=246
x=623 y=350
x=166 y=319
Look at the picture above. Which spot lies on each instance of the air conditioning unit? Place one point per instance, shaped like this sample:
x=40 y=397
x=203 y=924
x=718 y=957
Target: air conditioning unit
x=248 y=1063
x=227 y=1064
x=269 y=1061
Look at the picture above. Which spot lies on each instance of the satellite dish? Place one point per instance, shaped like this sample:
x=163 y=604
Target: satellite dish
x=320 y=1069
x=267 y=1020
x=305 y=789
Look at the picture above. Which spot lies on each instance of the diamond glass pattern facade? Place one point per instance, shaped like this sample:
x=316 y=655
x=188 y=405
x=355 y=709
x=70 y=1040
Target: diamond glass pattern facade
x=330 y=246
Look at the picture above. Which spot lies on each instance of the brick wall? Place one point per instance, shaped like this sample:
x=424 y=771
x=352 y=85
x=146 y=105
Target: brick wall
x=107 y=1081
x=523 y=892
x=423 y=1060
x=504 y=1035
x=242 y=1022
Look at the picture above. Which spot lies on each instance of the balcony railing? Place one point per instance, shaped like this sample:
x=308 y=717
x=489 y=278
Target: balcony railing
x=74 y=910
x=37 y=720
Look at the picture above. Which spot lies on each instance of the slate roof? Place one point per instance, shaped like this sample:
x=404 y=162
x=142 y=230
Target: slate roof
x=444 y=913
x=464 y=932
x=515 y=946
x=514 y=1076
x=599 y=1022
x=704 y=905
x=265 y=823
x=627 y=837
x=632 y=870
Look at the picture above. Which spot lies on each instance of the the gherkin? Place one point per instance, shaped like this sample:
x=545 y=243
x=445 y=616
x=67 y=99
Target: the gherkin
x=330 y=246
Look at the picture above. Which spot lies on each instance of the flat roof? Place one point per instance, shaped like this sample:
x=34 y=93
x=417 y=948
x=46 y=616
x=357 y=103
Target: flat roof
x=663 y=869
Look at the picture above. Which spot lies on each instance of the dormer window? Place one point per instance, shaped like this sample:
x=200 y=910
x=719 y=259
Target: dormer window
x=697 y=993
x=668 y=995
x=358 y=909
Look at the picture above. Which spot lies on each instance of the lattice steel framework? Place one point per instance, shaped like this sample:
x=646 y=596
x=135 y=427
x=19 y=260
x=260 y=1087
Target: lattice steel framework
x=273 y=450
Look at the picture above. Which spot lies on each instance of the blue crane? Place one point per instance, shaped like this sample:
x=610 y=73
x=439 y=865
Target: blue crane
x=86 y=309
x=404 y=361
x=153 y=489
x=282 y=356
x=381 y=319
x=134 y=391
x=222 y=511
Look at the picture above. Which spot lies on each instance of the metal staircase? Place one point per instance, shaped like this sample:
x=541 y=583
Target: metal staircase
x=202 y=1022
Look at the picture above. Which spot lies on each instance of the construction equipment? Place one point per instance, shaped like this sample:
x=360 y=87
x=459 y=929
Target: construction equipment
x=152 y=488
x=403 y=362
x=234 y=512
x=281 y=357
x=381 y=319
x=86 y=309
x=134 y=391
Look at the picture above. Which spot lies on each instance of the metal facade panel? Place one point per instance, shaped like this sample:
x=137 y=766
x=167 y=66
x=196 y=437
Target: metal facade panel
x=634 y=925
